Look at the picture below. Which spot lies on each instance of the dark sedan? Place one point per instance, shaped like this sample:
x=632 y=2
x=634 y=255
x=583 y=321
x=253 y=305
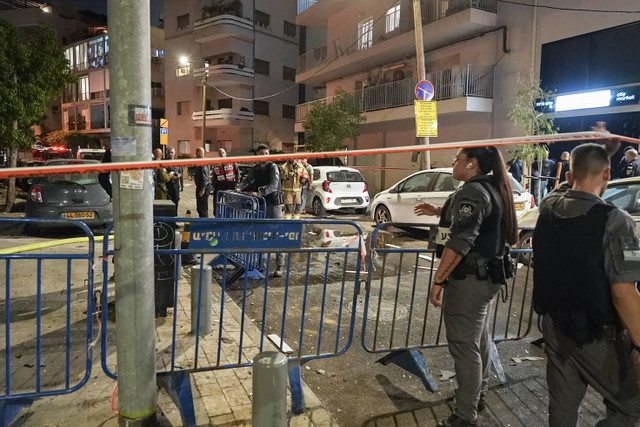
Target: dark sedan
x=69 y=196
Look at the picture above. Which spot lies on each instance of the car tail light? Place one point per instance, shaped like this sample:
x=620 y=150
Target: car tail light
x=533 y=202
x=366 y=188
x=36 y=194
x=325 y=186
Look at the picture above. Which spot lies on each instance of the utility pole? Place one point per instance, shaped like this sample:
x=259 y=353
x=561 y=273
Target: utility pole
x=421 y=71
x=205 y=79
x=130 y=62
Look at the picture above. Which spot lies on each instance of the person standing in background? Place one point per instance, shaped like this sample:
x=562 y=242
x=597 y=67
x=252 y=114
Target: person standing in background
x=306 y=187
x=202 y=180
x=292 y=171
x=633 y=164
x=225 y=177
x=173 y=185
x=563 y=168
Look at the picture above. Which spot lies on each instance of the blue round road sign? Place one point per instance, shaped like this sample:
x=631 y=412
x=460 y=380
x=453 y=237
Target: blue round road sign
x=424 y=90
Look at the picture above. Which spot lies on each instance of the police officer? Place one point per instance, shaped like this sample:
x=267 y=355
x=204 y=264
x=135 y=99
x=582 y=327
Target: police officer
x=264 y=180
x=632 y=167
x=224 y=176
x=587 y=263
x=476 y=221
x=175 y=173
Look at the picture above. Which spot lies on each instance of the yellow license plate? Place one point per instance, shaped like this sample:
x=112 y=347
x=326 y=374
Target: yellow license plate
x=519 y=206
x=78 y=215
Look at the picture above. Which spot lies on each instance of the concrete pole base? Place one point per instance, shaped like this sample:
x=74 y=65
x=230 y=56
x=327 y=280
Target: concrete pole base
x=146 y=421
x=269 y=390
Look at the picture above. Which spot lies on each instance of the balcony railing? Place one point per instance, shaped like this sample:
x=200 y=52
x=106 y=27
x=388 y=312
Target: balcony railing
x=220 y=71
x=243 y=23
x=305 y=4
x=223 y=114
x=431 y=10
x=457 y=82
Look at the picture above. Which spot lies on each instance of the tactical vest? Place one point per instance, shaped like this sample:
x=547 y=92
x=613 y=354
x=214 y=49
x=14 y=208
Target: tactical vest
x=262 y=176
x=569 y=280
x=225 y=172
x=632 y=169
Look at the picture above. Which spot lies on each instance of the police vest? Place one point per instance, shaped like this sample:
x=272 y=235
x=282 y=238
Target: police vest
x=262 y=177
x=569 y=280
x=632 y=169
x=225 y=172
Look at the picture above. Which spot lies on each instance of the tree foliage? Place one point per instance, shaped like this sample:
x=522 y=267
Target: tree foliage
x=525 y=115
x=329 y=123
x=63 y=138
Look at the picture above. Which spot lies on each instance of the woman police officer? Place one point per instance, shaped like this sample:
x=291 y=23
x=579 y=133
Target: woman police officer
x=482 y=219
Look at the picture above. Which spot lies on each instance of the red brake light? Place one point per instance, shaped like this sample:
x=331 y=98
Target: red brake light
x=533 y=202
x=36 y=194
x=366 y=188
x=325 y=186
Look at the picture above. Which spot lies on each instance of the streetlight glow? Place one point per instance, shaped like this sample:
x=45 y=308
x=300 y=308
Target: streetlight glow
x=184 y=60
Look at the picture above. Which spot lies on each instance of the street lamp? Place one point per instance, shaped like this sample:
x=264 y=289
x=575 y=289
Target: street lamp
x=205 y=78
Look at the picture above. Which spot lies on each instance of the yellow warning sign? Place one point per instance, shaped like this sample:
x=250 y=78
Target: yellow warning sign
x=164 y=123
x=426 y=118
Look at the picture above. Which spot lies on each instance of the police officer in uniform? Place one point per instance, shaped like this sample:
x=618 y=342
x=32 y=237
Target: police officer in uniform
x=587 y=263
x=632 y=167
x=479 y=220
x=264 y=180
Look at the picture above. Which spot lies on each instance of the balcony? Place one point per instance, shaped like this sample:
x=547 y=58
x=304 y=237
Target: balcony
x=465 y=88
x=225 y=117
x=226 y=75
x=222 y=26
x=314 y=13
x=443 y=21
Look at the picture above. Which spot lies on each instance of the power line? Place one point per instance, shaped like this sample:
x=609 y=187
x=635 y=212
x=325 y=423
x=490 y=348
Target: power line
x=260 y=98
x=570 y=9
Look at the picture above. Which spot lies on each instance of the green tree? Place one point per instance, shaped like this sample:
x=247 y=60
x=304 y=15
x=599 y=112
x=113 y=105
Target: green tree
x=534 y=122
x=63 y=138
x=34 y=70
x=329 y=123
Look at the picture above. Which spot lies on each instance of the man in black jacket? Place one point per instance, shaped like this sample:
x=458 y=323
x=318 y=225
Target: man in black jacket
x=203 y=186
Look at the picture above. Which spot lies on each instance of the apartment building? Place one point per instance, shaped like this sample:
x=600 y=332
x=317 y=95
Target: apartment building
x=236 y=61
x=86 y=102
x=474 y=50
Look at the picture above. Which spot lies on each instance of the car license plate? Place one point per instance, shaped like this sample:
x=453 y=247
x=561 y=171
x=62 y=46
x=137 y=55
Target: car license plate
x=519 y=206
x=349 y=200
x=78 y=215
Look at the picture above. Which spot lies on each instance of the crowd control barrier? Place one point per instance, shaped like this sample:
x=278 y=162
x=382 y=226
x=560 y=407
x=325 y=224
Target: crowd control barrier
x=234 y=205
x=307 y=314
x=398 y=318
x=48 y=335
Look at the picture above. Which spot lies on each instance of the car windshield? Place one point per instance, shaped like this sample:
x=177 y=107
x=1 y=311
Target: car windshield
x=75 y=178
x=516 y=186
x=344 y=176
x=625 y=197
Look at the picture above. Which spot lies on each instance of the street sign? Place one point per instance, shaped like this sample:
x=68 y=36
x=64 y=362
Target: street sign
x=424 y=90
x=164 y=123
x=164 y=131
x=426 y=118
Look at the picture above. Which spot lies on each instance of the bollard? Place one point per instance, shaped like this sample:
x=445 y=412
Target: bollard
x=269 y=390
x=205 y=300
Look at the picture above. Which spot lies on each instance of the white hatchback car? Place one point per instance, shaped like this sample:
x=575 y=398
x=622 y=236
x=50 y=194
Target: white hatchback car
x=433 y=186
x=336 y=188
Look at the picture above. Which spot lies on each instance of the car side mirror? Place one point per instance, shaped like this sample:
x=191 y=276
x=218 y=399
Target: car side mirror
x=393 y=189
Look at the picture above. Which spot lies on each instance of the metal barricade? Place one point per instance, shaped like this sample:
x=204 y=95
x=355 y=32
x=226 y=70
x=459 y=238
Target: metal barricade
x=307 y=314
x=48 y=309
x=234 y=205
x=399 y=319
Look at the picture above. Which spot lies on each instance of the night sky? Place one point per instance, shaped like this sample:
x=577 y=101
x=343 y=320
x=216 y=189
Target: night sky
x=100 y=6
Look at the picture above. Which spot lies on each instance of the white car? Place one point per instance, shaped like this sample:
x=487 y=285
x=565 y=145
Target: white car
x=433 y=186
x=336 y=188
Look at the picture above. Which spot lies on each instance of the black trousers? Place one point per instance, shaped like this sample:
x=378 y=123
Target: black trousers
x=202 y=203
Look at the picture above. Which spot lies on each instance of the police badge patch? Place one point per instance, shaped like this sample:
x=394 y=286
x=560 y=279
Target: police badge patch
x=466 y=209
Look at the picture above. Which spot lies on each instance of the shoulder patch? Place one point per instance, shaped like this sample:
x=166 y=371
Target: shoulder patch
x=466 y=209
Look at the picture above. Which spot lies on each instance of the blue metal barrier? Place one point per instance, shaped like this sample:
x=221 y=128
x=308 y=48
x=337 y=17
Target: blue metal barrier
x=234 y=205
x=33 y=292
x=312 y=308
x=398 y=318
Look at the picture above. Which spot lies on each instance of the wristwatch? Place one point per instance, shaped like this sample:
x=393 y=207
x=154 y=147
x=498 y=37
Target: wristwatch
x=444 y=282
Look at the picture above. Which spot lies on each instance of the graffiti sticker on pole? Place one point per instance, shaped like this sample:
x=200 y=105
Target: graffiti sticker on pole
x=426 y=118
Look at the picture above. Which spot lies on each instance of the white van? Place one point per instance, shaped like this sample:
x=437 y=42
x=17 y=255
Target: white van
x=90 y=153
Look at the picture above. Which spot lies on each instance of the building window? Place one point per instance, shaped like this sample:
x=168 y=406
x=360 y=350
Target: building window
x=289 y=29
x=393 y=18
x=183 y=108
x=183 y=147
x=288 y=73
x=225 y=103
x=97 y=116
x=83 y=88
x=262 y=19
x=288 y=112
x=261 y=67
x=157 y=53
x=183 y=22
x=261 y=107
x=365 y=34
x=183 y=70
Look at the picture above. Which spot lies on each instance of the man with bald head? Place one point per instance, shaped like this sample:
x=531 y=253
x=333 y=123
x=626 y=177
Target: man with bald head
x=633 y=164
x=203 y=186
x=587 y=260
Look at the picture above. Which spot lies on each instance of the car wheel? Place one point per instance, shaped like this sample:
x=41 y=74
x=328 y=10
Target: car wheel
x=317 y=207
x=526 y=242
x=361 y=211
x=382 y=215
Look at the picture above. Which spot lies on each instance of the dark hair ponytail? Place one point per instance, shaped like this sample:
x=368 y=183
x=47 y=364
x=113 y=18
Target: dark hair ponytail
x=490 y=160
